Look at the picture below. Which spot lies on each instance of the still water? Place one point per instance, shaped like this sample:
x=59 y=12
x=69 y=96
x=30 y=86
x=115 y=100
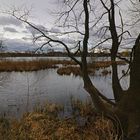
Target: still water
x=53 y=58
x=22 y=91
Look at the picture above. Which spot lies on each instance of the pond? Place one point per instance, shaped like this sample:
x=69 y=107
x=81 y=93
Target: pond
x=23 y=91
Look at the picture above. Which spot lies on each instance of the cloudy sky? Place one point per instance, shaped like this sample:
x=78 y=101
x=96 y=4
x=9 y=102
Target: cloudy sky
x=18 y=36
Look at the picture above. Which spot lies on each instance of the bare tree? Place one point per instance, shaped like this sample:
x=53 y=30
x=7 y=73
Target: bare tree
x=85 y=21
x=123 y=97
x=81 y=23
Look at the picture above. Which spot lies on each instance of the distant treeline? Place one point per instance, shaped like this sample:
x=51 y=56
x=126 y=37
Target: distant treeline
x=52 y=54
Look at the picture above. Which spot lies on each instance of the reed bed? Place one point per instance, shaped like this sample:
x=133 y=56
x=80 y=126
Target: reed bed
x=75 y=70
x=33 y=65
x=105 y=64
x=68 y=70
x=24 y=65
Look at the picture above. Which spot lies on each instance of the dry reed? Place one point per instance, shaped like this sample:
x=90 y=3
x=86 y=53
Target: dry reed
x=33 y=65
x=44 y=124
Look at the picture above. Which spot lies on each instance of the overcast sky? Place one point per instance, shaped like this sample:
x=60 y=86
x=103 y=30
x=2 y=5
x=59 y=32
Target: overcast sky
x=15 y=33
x=41 y=9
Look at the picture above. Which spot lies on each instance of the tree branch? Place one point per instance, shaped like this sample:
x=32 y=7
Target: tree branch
x=47 y=37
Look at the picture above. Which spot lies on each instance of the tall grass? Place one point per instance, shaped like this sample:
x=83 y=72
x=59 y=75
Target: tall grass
x=104 y=64
x=44 y=124
x=33 y=65
x=75 y=70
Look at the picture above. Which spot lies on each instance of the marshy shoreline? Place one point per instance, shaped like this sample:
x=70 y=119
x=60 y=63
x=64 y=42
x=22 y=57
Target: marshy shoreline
x=44 y=123
x=34 y=65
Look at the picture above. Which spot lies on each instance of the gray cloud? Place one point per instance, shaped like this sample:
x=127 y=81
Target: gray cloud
x=19 y=45
x=68 y=40
x=27 y=38
x=22 y=45
x=54 y=30
x=25 y=31
x=34 y=31
x=43 y=28
x=10 y=29
x=7 y=20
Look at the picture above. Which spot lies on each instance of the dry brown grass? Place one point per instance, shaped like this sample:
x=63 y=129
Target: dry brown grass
x=69 y=70
x=44 y=124
x=33 y=65
x=106 y=72
x=75 y=70
x=104 y=64
x=25 y=65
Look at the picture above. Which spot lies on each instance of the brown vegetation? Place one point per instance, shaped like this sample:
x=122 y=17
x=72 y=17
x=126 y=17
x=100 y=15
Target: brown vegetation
x=33 y=65
x=106 y=72
x=75 y=70
x=104 y=64
x=25 y=65
x=69 y=70
x=44 y=124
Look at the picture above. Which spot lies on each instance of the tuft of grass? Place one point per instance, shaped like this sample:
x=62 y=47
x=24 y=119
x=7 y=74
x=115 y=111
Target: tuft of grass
x=69 y=70
x=106 y=72
x=4 y=129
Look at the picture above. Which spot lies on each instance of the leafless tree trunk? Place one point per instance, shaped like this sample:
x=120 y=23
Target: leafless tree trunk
x=135 y=65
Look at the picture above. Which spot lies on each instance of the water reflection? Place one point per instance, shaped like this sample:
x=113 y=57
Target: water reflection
x=89 y=59
x=22 y=91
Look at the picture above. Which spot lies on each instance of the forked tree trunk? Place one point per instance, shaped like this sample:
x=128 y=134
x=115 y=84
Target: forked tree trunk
x=130 y=102
x=88 y=85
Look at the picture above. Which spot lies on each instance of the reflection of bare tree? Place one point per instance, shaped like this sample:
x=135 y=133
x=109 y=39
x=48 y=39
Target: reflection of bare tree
x=28 y=93
x=39 y=76
x=33 y=82
x=4 y=77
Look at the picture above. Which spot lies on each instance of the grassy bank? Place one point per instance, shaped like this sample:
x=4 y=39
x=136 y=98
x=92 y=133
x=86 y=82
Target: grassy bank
x=75 y=70
x=68 y=66
x=45 y=124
